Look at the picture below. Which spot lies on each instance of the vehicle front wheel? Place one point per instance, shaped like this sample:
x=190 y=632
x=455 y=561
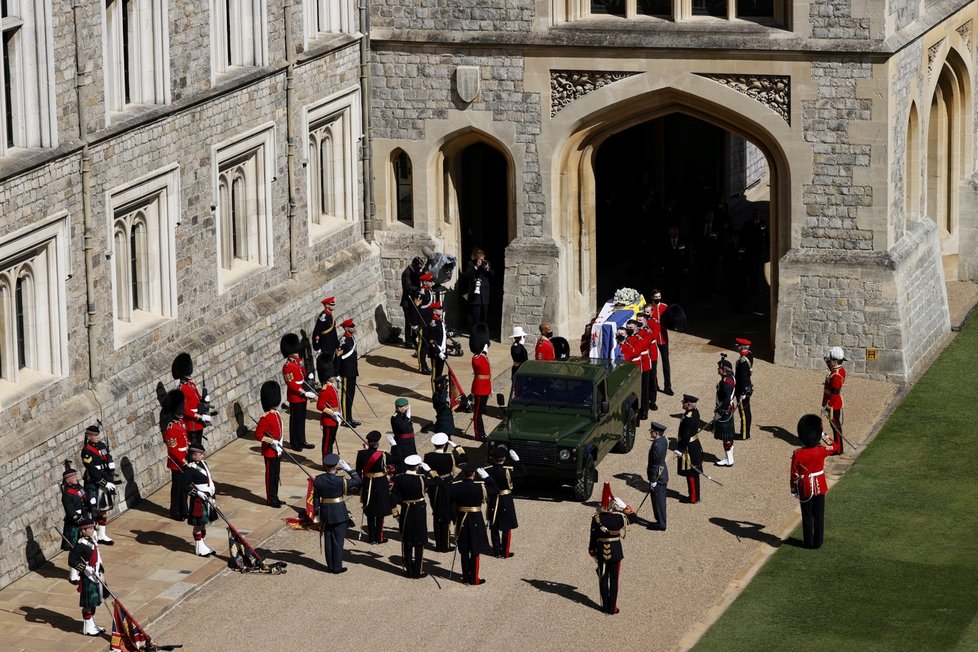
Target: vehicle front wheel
x=627 y=440
x=584 y=486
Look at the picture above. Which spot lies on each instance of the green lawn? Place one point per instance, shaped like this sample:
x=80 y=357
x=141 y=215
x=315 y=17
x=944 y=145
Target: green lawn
x=899 y=567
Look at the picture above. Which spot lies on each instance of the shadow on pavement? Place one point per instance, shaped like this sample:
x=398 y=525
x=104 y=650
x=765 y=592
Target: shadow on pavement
x=168 y=541
x=372 y=560
x=225 y=489
x=293 y=558
x=387 y=363
x=149 y=507
x=747 y=530
x=397 y=391
x=782 y=434
x=563 y=590
x=51 y=571
x=52 y=618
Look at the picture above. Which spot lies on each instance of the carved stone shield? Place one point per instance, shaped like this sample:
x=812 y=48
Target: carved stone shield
x=467 y=80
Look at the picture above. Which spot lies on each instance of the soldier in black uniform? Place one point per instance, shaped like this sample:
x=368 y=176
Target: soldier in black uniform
x=723 y=422
x=423 y=302
x=376 y=494
x=442 y=461
x=402 y=441
x=99 y=475
x=329 y=491
x=408 y=493
x=410 y=286
x=658 y=473
x=348 y=370
x=501 y=512
x=325 y=339
x=607 y=531
x=518 y=350
x=86 y=559
x=468 y=496
x=198 y=483
x=441 y=400
x=77 y=508
x=744 y=385
x=689 y=450
x=436 y=336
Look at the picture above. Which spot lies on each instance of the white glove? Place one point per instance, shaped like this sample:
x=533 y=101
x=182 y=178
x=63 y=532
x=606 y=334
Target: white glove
x=652 y=485
x=678 y=453
x=112 y=466
x=407 y=413
x=452 y=444
x=513 y=456
x=391 y=440
x=203 y=495
x=345 y=466
x=92 y=500
x=109 y=487
x=278 y=447
x=619 y=503
x=207 y=399
x=441 y=355
x=795 y=496
x=90 y=572
x=310 y=395
x=205 y=418
x=425 y=467
x=482 y=473
x=310 y=376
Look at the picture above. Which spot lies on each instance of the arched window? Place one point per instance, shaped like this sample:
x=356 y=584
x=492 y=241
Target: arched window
x=132 y=262
x=327 y=183
x=24 y=318
x=402 y=190
x=911 y=181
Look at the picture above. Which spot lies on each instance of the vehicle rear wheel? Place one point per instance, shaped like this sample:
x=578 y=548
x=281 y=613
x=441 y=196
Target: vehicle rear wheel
x=584 y=486
x=627 y=440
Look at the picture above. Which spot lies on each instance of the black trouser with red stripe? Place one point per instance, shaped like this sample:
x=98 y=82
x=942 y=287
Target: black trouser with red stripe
x=273 y=466
x=813 y=521
x=608 y=585
x=329 y=439
x=502 y=540
x=348 y=389
x=693 y=483
x=480 y=408
x=644 y=409
x=835 y=416
x=178 y=499
x=297 y=425
x=470 y=566
x=653 y=383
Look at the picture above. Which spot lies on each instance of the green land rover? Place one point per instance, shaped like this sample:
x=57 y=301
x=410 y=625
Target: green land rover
x=563 y=417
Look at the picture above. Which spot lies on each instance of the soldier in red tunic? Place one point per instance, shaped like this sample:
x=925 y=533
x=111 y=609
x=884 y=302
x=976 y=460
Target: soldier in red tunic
x=807 y=477
x=545 y=348
x=269 y=433
x=328 y=405
x=650 y=360
x=481 y=376
x=832 y=389
x=176 y=440
x=294 y=374
x=654 y=312
x=194 y=416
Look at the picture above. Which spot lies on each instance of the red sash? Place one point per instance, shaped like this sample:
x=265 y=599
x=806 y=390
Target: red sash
x=369 y=466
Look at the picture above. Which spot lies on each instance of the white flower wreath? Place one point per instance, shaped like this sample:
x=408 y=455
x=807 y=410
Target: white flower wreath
x=627 y=296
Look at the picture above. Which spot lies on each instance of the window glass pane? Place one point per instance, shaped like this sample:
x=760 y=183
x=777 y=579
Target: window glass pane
x=710 y=8
x=609 y=7
x=755 y=8
x=655 y=8
x=403 y=177
x=134 y=275
x=8 y=91
x=237 y=215
x=20 y=324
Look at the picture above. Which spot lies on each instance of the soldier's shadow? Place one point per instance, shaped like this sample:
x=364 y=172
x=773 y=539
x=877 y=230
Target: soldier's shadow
x=372 y=559
x=168 y=541
x=225 y=489
x=45 y=616
x=384 y=362
x=292 y=558
x=782 y=434
x=398 y=391
x=634 y=480
x=563 y=590
x=747 y=530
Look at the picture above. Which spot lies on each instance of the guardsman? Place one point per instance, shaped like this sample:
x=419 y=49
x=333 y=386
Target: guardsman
x=631 y=351
x=329 y=493
x=654 y=312
x=410 y=286
x=348 y=370
x=501 y=510
x=481 y=376
x=269 y=432
x=744 y=385
x=658 y=473
x=545 y=348
x=832 y=390
x=376 y=494
x=650 y=360
x=807 y=477
x=86 y=559
x=518 y=349
x=423 y=303
x=77 y=508
x=407 y=492
x=99 y=473
x=723 y=422
x=689 y=450
x=328 y=405
x=607 y=530
x=296 y=390
x=403 y=429
x=437 y=340
x=199 y=485
x=468 y=497
x=176 y=440
x=324 y=338
x=194 y=417
x=442 y=461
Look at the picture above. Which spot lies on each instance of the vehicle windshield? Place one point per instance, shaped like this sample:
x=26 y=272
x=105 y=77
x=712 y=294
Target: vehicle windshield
x=553 y=391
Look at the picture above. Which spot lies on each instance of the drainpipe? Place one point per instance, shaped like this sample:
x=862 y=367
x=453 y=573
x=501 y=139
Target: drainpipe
x=86 y=192
x=369 y=207
x=290 y=138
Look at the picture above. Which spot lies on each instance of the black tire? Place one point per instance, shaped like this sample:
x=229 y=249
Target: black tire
x=627 y=440
x=584 y=486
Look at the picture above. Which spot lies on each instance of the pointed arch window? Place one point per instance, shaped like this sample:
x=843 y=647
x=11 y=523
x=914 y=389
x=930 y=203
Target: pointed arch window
x=331 y=164
x=403 y=187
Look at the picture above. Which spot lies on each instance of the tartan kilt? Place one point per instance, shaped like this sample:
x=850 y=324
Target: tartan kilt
x=724 y=430
x=104 y=500
x=200 y=513
x=89 y=593
x=71 y=533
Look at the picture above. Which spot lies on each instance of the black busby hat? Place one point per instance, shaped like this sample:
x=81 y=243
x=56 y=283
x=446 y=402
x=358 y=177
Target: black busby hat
x=810 y=430
x=674 y=318
x=173 y=402
x=561 y=348
x=182 y=367
x=479 y=338
x=289 y=344
x=373 y=435
x=271 y=395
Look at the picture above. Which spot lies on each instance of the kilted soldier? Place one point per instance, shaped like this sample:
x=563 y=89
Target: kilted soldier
x=402 y=445
x=348 y=370
x=86 y=560
x=294 y=375
x=832 y=390
x=744 y=385
x=468 y=497
x=269 y=433
x=99 y=469
x=422 y=305
x=181 y=370
x=176 y=440
x=437 y=338
x=657 y=472
x=407 y=493
x=807 y=477
x=199 y=485
x=545 y=349
x=688 y=447
x=328 y=405
x=410 y=286
x=518 y=349
x=442 y=460
x=77 y=509
x=329 y=493
x=324 y=336
x=375 y=497
x=481 y=376
x=607 y=531
x=501 y=510
x=723 y=422
x=441 y=400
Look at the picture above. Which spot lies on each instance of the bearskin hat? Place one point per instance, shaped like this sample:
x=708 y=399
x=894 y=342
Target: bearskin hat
x=289 y=344
x=173 y=403
x=182 y=367
x=271 y=395
x=810 y=430
x=561 y=348
x=674 y=318
x=479 y=338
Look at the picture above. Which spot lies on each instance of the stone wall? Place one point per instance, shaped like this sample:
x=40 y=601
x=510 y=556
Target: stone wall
x=902 y=12
x=532 y=281
x=399 y=245
x=469 y=15
x=905 y=70
x=834 y=19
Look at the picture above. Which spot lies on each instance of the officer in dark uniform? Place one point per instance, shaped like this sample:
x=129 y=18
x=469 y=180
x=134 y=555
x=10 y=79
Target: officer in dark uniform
x=408 y=493
x=689 y=450
x=436 y=336
x=325 y=339
x=756 y=242
x=410 y=286
x=607 y=531
x=423 y=303
x=744 y=385
x=518 y=350
x=99 y=476
x=403 y=438
x=658 y=473
x=329 y=491
x=376 y=495
x=77 y=508
x=348 y=370
x=723 y=423
x=468 y=497
x=441 y=400
x=198 y=483
x=86 y=559
x=501 y=512
x=442 y=461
